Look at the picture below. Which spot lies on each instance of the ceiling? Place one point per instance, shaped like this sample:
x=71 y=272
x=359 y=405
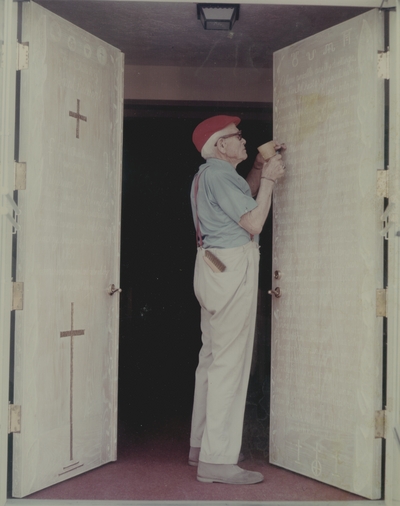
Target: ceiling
x=168 y=33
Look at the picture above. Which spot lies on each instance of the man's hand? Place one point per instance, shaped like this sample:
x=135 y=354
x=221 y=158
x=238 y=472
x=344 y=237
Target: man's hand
x=258 y=162
x=274 y=168
x=271 y=170
x=280 y=146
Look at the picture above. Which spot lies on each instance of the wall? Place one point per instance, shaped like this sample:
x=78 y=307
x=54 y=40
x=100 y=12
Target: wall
x=191 y=83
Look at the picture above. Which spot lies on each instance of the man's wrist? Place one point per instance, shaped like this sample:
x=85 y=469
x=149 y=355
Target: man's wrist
x=257 y=166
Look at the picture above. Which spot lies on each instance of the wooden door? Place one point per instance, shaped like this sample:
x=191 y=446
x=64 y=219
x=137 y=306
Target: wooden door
x=66 y=336
x=328 y=249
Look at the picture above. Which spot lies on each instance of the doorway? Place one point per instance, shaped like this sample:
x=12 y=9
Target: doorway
x=147 y=309
x=160 y=331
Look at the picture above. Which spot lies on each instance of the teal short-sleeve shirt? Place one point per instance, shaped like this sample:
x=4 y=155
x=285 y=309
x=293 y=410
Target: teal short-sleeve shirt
x=223 y=197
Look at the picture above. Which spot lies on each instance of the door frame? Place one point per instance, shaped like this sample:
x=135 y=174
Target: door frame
x=8 y=33
x=8 y=8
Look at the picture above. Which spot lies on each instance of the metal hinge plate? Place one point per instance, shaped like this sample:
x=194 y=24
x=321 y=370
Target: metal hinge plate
x=383 y=65
x=382 y=183
x=23 y=56
x=20 y=175
x=17 y=295
x=14 y=418
x=381 y=302
x=380 y=424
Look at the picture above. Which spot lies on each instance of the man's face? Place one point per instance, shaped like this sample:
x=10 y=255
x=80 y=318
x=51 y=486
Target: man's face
x=235 y=146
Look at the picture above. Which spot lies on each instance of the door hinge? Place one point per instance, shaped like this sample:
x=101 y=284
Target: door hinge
x=382 y=183
x=17 y=296
x=380 y=424
x=383 y=64
x=20 y=175
x=23 y=56
x=14 y=418
x=381 y=301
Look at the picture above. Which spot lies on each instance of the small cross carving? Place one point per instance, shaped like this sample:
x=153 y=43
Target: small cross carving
x=78 y=117
x=71 y=333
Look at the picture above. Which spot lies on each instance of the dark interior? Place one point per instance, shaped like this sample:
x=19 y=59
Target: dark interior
x=160 y=334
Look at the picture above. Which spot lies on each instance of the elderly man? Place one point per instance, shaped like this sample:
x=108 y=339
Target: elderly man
x=229 y=212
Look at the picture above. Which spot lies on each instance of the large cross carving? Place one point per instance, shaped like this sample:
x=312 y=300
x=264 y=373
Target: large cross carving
x=71 y=333
x=78 y=117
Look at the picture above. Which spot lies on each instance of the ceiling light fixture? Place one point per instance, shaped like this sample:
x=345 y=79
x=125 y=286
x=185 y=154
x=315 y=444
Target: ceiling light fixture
x=218 y=16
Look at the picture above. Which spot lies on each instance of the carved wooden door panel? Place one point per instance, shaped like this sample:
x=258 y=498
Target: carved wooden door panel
x=328 y=249
x=66 y=336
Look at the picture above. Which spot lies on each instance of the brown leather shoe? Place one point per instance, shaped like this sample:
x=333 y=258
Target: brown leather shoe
x=194 y=456
x=227 y=473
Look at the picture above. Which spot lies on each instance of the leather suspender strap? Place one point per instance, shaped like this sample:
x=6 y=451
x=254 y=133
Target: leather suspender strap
x=199 y=239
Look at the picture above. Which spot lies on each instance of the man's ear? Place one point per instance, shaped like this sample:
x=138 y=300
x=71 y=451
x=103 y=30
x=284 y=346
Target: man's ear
x=221 y=145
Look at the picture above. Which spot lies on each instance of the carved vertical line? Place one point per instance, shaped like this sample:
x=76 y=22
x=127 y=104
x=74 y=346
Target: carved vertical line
x=71 y=398
x=77 y=118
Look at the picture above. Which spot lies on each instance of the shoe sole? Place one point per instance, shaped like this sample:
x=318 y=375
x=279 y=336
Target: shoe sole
x=227 y=482
x=195 y=463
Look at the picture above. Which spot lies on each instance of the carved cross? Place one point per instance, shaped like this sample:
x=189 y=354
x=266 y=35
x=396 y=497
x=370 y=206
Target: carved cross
x=78 y=117
x=71 y=333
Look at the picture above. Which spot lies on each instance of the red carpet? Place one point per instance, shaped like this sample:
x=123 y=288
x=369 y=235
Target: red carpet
x=152 y=465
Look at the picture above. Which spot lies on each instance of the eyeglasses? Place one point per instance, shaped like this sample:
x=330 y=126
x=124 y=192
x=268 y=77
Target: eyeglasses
x=236 y=134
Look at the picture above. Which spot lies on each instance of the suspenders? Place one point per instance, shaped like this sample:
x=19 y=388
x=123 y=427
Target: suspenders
x=199 y=239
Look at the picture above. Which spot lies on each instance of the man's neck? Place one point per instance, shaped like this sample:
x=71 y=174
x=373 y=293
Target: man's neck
x=221 y=156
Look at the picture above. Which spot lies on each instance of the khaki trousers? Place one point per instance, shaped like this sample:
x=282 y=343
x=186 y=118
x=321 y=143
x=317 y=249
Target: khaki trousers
x=228 y=303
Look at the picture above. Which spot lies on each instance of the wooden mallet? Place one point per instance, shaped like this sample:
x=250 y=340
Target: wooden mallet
x=267 y=150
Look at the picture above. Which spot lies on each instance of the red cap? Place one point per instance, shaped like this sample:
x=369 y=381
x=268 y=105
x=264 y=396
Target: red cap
x=209 y=127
